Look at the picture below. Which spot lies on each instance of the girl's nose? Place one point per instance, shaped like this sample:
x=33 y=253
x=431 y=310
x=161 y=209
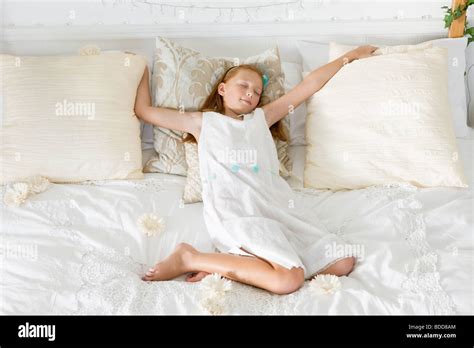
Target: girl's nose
x=249 y=94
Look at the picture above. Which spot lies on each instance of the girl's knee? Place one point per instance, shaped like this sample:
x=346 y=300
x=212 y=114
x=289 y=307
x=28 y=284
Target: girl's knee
x=288 y=280
x=342 y=267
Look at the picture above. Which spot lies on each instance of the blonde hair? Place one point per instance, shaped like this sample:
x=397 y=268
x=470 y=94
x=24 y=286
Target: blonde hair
x=214 y=102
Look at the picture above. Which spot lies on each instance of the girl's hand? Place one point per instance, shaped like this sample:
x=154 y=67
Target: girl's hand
x=364 y=51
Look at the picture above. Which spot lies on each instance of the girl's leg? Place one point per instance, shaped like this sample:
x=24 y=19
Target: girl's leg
x=340 y=268
x=249 y=270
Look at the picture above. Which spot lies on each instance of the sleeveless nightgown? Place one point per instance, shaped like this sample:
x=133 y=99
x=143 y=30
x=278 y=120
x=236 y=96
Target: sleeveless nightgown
x=248 y=207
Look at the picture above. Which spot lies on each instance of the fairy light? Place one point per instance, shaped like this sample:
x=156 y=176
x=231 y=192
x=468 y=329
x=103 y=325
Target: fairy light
x=251 y=12
x=231 y=10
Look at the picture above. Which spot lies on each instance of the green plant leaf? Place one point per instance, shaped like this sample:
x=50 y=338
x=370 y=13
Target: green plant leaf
x=457 y=13
x=448 y=19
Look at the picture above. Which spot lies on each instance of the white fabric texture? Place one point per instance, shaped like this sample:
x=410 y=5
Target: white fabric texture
x=70 y=118
x=293 y=72
x=248 y=208
x=393 y=125
x=76 y=249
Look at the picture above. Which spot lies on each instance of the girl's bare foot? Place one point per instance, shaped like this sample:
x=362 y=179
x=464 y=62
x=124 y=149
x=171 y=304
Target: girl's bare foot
x=174 y=265
x=196 y=276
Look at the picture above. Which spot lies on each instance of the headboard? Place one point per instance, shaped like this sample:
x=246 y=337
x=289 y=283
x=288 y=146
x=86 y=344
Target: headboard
x=235 y=39
x=223 y=39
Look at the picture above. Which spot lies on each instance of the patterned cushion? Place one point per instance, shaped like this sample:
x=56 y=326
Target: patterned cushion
x=182 y=79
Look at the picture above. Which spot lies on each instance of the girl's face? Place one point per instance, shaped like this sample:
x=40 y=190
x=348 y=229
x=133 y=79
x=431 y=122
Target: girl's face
x=242 y=92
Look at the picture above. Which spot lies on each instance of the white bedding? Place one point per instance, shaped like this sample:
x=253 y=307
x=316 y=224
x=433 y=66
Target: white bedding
x=76 y=249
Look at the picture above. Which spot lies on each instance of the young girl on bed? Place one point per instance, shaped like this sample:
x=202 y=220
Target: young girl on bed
x=263 y=240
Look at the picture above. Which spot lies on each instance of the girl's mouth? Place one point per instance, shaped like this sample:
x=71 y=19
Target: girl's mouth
x=246 y=101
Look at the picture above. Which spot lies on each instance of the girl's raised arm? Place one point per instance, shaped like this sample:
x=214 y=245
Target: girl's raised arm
x=279 y=108
x=189 y=122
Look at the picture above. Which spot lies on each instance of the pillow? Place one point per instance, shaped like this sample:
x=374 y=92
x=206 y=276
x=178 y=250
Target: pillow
x=70 y=118
x=193 y=187
x=183 y=78
x=313 y=54
x=336 y=50
x=293 y=72
x=384 y=119
x=456 y=67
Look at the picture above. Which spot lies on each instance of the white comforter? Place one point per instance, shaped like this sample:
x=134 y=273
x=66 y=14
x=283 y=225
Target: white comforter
x=76 y=249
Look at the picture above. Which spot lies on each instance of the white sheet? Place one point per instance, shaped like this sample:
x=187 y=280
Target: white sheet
x=75 y=249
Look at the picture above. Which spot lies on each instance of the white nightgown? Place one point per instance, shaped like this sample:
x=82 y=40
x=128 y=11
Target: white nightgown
x=249 y=209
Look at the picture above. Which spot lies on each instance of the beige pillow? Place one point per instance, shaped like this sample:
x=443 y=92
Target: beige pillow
x=336 y=50
x=70 y=118
x=183 y=78
x=456 y=65
x=384 y=119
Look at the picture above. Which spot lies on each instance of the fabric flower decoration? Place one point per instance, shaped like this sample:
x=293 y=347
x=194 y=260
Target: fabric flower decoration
x=16 y=194
x=213 y=289
x=89 y=50
x=151 y=224
x=37 y=184
x=214 y=284
x=325 y=284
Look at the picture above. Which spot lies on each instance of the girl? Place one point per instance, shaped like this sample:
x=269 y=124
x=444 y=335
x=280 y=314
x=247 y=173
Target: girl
x=263 y=239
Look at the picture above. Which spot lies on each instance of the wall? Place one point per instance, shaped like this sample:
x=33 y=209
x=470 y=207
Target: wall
x=88 y=12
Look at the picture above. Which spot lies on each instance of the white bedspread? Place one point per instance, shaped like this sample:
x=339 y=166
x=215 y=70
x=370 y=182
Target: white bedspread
x=76 y=249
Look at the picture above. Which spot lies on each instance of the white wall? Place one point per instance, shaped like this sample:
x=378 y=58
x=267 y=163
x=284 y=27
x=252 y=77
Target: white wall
x=87 y=12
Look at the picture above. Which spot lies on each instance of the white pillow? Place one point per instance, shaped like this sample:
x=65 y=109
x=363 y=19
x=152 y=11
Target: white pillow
x=70 y=118
x=293 y=72
x=313 y=54
x=384 y=119
x=456 y=67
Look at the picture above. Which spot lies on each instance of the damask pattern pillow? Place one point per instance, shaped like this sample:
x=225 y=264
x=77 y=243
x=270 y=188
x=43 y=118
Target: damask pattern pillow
x=182 y=79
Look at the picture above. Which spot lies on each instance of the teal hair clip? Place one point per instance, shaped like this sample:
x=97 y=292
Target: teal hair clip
x=265 y=80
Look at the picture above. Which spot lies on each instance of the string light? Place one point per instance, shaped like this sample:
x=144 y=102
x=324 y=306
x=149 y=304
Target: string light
x=251 y=12
x=158 y=3
x=230 y=9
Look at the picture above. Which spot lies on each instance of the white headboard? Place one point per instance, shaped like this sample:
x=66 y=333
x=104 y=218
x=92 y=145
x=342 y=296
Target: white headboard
x=222 y=39
x=236 y=39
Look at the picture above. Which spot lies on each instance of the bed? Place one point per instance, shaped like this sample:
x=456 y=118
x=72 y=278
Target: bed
x=76 y=248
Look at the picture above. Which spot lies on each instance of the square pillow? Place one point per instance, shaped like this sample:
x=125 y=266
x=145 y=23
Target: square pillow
x=456 y=65
x=311 y=53
x=384 y=119
x=70 y=118
x=183 y=78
